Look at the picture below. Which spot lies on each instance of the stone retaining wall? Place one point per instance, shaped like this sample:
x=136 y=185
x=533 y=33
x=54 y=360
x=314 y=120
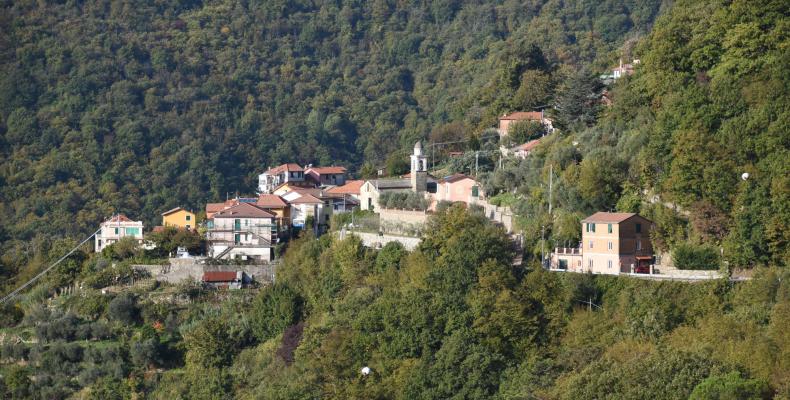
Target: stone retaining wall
x=181 y=269
x=375 y=240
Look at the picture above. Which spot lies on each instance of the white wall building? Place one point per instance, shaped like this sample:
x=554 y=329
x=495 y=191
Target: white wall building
x=116 y=228
x=243 y=231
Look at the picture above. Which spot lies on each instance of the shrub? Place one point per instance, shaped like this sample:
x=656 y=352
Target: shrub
x=276 y=307
x=123 y=308
x=688 y=256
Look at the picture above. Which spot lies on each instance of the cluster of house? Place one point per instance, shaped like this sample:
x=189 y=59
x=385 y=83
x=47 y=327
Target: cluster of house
x=612 y=243
x=292 y=197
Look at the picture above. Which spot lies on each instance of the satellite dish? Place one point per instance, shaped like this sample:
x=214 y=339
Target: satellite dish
x=365 y=371
x=745 y=176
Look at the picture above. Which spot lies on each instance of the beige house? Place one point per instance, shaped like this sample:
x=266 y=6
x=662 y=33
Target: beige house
x=615 y=243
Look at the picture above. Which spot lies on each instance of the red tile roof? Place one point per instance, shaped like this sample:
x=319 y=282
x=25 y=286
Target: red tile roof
x=290 y=167
x=455 y=178
x=219 y=276
x=529 y=146
x=607 y=217
x=328 y=170
x=523 y=115
x=244 y=210
x=307 y=199
x=119 y=218
x=270 y=201
x=351 y=187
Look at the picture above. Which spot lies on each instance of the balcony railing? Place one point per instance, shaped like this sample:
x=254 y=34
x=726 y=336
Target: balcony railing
x=571 y=251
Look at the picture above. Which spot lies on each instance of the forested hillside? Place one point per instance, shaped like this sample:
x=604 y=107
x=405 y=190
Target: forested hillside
x=139 y=107
x=451 y=320
x=708 y=104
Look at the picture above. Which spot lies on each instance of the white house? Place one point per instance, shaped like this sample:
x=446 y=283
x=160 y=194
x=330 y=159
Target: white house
x=243 y=231
x=116 y=228
x=276 y=176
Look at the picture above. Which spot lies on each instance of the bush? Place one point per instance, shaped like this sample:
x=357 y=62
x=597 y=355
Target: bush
x=123 y=308
x=688 y=256
x=731 y=386
x=403 y=200
x=276 y=307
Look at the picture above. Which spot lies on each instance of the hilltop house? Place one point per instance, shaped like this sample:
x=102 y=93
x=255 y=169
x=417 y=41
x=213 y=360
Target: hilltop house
x=537 y=116
x=116 y=228
x=276 y=176
x=326 y=176
x=179 y=218
x=243 y=231
x=612 y=243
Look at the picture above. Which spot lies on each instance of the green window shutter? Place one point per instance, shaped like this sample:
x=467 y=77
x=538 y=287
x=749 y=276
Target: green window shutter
x=610 y=228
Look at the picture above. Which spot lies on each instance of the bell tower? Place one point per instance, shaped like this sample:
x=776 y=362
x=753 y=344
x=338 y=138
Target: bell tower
x=419 y=169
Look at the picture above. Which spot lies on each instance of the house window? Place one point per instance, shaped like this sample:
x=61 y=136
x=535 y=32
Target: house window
x=610 y=228
x=590 y=263
x=590 y=227
x=189 y=217
x=609 y=264
x=639 y=245
x=638 y=228
x=187 y=226
x=591 y=244
x=610 y=245
x=116 y=231
x=132 y=231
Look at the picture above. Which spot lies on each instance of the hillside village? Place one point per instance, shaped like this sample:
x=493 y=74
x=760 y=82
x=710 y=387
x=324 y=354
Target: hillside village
x=292 y=198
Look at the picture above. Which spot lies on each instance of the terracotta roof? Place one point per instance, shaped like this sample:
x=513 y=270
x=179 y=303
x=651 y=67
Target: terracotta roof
x=306 y=199
x=607 y=217
x=296 y=185
x=523 y=115
x=351 y=187
x=119 y=218
x=159 y=228
x=168 y=212
x=290 y=167
x=455 y=178
x=529 y=146
x=270 y=201
x=219 y=276
x=328 y=170
x=244 y=210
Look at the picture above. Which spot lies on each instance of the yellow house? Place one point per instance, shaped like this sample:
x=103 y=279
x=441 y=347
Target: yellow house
x=179 y=218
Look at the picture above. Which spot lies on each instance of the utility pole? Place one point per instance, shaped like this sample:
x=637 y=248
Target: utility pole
x=543 y=246
x=477 y=157
x=551 y=178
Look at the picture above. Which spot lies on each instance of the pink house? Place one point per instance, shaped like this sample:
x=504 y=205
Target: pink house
x=523 y=150
x=457 y=188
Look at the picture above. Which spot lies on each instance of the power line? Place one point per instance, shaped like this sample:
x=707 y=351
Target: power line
x=42 y=273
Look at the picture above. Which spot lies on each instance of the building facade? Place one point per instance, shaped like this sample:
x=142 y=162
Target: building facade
x=276 y=176
x=615 y=243
x=243 y=231
x=117 y=228
x=326 y=176
x=179 y=218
